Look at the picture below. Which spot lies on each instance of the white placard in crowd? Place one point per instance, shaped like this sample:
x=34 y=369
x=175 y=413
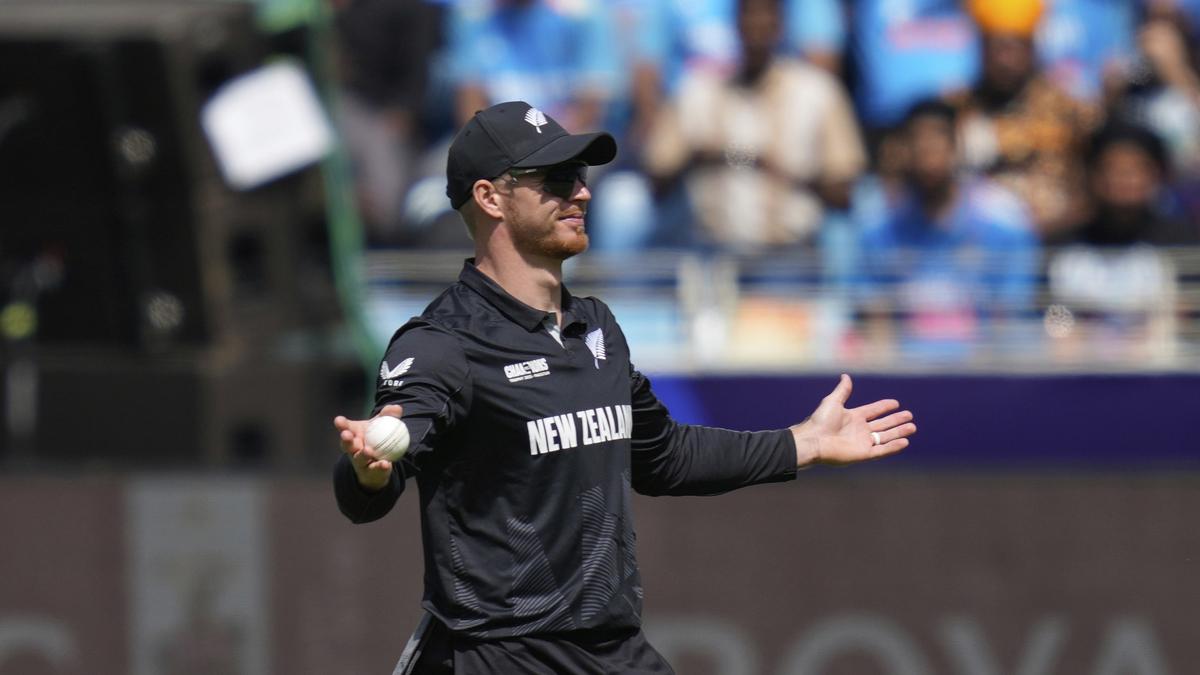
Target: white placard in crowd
x=265 y=124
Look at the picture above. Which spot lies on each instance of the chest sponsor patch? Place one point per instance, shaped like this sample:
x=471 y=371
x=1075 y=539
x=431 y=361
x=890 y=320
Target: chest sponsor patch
x=584 y=427
x=526 y=370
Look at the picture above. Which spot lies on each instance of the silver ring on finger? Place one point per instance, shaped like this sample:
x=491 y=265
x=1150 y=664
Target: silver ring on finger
x=875 y=437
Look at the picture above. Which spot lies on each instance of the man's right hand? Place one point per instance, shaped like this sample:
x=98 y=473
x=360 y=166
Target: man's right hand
x=373 y=473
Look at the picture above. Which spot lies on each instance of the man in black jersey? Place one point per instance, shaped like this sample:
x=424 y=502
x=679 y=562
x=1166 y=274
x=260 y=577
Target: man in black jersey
x=530 y=428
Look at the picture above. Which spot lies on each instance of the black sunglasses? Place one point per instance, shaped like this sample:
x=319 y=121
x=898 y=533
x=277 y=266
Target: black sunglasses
x=558 y=180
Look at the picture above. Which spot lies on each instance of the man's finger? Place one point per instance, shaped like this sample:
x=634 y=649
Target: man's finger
x=841 y=393
x=380 y=465
x=893 y=420
x=902 y=431
x=351 y=443
x=364 y=456
x=889 y=448
x=873 y=410
x=392 y=410
x=340 y=422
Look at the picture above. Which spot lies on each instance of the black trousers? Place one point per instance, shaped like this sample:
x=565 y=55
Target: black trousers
x=590 y=652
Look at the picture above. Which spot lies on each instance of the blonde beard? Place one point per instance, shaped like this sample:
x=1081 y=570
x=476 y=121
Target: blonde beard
x=543 y=242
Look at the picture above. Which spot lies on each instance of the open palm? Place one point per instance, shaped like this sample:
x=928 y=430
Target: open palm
x=838 y=435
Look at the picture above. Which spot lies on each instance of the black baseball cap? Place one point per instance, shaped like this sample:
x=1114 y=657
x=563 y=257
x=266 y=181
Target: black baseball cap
x=516 y=135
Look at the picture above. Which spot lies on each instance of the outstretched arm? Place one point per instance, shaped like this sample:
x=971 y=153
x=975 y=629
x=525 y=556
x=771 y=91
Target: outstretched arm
x=669 y=458
x=366 y=486
x=425 y=372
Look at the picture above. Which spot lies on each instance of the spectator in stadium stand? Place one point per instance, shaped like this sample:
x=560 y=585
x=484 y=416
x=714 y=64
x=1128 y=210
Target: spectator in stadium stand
x=951 y=259
x=905 y=51
x=383 y=51
x=659 y=42
x=559 y=54
x=1128 y=170
x=761 y=151
x=674 y=37
x=1163 y=91
x=1112 y=275
x=1017 y=125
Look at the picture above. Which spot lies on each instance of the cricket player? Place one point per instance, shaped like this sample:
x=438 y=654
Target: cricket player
x=531 y=428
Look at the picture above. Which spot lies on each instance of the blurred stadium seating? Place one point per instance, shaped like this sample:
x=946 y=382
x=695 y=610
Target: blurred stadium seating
x=687 y=312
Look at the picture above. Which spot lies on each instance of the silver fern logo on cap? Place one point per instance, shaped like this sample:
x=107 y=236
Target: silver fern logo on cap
x=537 y=118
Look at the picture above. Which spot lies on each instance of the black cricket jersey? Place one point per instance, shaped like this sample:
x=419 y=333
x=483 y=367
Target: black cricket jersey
x=526 y=443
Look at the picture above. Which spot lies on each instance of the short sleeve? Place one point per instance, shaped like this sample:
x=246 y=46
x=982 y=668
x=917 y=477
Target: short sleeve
x=426 y=371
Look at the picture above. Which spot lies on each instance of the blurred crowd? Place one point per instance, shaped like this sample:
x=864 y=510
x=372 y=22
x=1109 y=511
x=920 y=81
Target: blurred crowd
x=971 y=135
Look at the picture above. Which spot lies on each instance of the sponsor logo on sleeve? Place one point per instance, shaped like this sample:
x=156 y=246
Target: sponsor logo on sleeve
x=389 y=374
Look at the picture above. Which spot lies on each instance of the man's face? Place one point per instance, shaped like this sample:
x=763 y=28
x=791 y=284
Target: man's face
x=759 y=26
x=542 y=222
x=1125 y=177
x=932 y=157
x=1007 y=62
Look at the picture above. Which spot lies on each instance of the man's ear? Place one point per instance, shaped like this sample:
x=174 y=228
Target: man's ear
x=487 y=197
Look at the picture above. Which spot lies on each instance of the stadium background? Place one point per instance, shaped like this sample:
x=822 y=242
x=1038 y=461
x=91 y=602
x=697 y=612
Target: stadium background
x=175 y=344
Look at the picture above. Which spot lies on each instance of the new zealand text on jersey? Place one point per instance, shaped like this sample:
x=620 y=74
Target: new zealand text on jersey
x=595 y=425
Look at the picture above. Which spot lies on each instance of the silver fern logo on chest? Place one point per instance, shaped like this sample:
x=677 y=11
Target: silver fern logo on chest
x=595 y=344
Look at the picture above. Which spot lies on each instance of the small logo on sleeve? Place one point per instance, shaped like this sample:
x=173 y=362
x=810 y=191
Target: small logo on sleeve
x=526 y=370
x=389 y=375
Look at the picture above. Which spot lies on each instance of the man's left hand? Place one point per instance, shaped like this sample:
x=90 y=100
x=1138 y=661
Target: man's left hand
x=838 y=435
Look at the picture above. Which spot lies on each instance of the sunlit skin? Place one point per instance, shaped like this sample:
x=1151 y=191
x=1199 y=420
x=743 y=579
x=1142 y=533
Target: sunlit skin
x=545 y=228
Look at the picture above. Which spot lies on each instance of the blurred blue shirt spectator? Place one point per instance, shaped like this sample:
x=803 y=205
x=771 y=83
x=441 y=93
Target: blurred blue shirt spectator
x=1082 y=42
x=945 y=260
x=948 y=277
x=677 y=36
x=816 y=27
x=557 y=54
x=908 y=50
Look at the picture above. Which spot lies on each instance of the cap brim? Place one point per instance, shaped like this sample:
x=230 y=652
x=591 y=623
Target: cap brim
x=593 y=149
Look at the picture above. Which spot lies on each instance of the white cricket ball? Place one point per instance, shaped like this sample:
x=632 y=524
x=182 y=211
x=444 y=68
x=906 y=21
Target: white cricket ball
x=388 y=436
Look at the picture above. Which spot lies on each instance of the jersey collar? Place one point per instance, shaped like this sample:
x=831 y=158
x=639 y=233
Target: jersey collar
x=518 y=312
